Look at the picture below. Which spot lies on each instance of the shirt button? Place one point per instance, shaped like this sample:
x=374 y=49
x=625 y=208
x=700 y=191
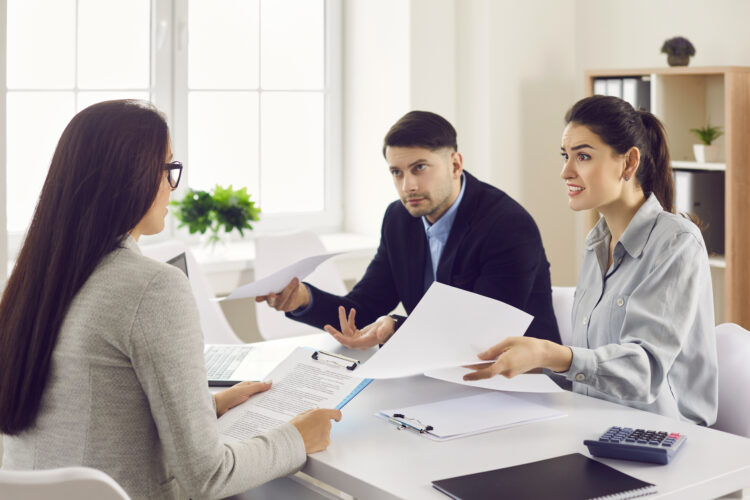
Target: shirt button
x=585 y=320
x=620 y=302
x=580 y=377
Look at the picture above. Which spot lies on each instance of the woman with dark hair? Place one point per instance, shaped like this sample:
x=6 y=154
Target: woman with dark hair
x=643 y=319
x=101 y=352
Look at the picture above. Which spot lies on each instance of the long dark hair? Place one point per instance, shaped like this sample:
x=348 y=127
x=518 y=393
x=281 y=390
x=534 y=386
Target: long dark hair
x=621 y=127
x=103 y=178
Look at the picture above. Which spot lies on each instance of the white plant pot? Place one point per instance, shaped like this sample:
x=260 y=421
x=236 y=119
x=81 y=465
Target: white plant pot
x=707 y=154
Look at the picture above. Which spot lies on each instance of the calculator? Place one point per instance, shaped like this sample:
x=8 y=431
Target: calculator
x=637 y=444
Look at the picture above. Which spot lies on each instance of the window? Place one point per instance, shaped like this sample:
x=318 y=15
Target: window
x=250 y=87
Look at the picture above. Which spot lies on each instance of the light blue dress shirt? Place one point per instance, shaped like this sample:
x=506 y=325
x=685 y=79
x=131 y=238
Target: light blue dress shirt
x=643 y=328
x=437 y=234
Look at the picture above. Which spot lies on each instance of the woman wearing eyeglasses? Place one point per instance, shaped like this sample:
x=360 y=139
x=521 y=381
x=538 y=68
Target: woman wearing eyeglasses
x=101 y=352
x=643 y=317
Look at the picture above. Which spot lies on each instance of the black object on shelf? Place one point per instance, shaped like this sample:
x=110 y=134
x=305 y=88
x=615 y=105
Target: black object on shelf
x=701 y=193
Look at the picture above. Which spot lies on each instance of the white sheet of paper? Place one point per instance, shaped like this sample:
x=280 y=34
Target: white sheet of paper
x=276 y=282
x=448 y=328
x=453 y=418
x=300 y=383
x=527 y=382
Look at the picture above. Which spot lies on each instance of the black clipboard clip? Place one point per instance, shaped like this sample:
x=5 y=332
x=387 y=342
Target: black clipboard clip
x=414 y=424
x=351 y=363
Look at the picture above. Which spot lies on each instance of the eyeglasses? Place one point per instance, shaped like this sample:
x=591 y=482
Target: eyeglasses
x=174 y=170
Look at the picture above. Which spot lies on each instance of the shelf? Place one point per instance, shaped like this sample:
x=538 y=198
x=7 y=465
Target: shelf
x=694 y=165
x=717 y=261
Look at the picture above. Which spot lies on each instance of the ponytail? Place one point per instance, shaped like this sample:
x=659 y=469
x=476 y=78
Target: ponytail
x=655 y=172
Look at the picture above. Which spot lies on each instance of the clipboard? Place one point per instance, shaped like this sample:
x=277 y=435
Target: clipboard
x=350 y=364
x=466 y=416
x=302 y=381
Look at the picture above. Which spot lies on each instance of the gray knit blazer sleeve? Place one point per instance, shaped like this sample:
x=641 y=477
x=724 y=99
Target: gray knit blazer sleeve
x=167 y=355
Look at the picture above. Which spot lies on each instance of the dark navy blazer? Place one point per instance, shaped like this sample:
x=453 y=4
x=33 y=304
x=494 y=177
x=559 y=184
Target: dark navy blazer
x=494 y=249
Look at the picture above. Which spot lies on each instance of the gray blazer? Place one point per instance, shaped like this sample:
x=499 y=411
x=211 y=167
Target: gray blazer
x=127 y=393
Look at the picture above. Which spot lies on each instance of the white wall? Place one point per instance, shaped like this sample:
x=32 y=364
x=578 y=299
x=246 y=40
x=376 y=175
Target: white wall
x=3 y=197
x=376 y=94
x=625 y=34
x=516 y=77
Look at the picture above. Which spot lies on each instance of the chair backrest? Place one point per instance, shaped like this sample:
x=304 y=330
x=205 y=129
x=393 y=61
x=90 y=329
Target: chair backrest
x=562 y=303
x=216 y=328
x=278 y=251
x=68 y=483
x=733 y=352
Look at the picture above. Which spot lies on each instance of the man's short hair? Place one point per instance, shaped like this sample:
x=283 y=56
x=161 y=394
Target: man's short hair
x=421 y=129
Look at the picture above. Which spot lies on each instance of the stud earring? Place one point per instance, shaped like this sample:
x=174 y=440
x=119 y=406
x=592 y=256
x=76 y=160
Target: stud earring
x=627 y=178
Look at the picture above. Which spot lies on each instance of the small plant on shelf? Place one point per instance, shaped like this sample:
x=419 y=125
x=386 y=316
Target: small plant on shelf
x=708 y=134
x=707 y=151
x=225 y=208
x=679 y=50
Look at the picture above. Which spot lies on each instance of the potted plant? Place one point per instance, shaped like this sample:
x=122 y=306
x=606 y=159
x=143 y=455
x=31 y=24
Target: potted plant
x=707 y=152
x=225 y=208
x=679 y=50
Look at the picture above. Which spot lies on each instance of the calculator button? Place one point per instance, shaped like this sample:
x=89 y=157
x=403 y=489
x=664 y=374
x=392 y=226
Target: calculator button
x=642 y=441
x=667 y=445
x=653 y=442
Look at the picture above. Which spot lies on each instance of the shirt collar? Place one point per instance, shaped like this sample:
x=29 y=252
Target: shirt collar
x=130 y=243
x=442 y=228
x=636 y=234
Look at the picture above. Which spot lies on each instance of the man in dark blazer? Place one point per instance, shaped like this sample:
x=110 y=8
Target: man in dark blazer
x=447 y=226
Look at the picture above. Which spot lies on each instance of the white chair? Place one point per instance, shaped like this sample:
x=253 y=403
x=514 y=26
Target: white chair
x=733 y=351
x=216 y=328
x=68 y=483
x=562 y=304
x=276 y=252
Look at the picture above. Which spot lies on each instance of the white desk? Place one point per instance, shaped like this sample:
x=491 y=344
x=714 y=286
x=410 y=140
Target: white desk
x=370 y=459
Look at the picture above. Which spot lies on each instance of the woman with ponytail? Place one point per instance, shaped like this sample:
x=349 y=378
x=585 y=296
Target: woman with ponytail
x=101 y=352
x=643 y=319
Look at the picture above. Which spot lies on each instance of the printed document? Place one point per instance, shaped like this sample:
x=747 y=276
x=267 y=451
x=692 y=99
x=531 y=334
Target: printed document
x=276 y=282
x=526 y=382
x=448 y=328
x=300 y=383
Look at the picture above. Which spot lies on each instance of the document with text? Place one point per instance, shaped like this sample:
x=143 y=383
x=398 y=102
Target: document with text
x=306 y=379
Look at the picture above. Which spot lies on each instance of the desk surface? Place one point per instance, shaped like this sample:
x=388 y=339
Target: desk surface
x=370 y=458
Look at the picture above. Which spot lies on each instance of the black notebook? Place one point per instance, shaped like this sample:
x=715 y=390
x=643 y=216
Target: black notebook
x=569 y=477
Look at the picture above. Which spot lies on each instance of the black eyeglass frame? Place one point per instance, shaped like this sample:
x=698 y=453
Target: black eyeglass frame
x=169 y=167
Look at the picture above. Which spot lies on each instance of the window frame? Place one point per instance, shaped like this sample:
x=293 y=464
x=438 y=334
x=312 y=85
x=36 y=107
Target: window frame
x=168 y=91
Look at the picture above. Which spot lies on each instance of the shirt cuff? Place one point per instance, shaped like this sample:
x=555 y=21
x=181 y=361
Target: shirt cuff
x=583 y=366
x=300 y=311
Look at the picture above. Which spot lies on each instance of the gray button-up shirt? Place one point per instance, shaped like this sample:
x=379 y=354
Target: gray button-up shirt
x=643 y=328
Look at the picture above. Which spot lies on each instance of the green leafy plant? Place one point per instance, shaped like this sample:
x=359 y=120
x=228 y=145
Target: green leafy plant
x=708 y=134
x=226 y=208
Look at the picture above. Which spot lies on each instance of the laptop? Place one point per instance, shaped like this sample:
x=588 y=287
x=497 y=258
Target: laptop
x=229 y=364
x=180 y=261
